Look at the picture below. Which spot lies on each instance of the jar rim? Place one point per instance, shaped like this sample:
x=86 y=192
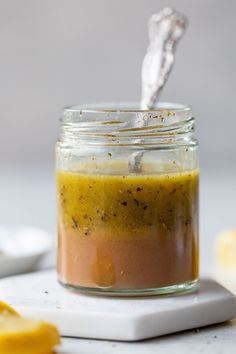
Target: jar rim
x=123 y=123
x=126 y=107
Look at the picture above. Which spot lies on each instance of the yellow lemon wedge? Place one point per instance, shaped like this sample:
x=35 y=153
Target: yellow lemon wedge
x=25 y=336
x=225 y=251
x=5 y=309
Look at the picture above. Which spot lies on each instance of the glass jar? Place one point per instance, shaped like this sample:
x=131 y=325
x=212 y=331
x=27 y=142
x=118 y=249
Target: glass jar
x=127 y=182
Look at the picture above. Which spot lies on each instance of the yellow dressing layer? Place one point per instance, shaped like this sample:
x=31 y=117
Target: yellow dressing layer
x=126 y=205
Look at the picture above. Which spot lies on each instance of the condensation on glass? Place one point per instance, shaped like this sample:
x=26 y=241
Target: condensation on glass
x=123 y=231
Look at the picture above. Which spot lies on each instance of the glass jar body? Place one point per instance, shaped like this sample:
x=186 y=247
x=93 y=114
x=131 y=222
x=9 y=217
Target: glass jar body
x=123 y=231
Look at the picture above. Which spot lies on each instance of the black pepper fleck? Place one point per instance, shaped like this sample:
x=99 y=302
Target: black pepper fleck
x=173 y=191
x=75 y=223
x=86 y=231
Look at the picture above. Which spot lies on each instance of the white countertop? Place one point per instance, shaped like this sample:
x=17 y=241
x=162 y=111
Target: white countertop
x=220 y=339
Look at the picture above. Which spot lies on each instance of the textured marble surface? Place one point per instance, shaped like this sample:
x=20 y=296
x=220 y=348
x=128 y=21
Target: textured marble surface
x=78 y=315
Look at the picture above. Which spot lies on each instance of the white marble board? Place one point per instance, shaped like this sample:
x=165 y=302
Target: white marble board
x=39 y=295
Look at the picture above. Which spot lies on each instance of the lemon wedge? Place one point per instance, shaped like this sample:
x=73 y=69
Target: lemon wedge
x=5 y=309
x=25 y=336
x=225 y=251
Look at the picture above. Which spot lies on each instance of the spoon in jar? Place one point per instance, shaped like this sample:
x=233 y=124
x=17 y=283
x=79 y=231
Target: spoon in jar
x=165 y=30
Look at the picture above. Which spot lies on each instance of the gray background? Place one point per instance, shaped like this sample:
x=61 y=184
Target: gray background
x=59 y=52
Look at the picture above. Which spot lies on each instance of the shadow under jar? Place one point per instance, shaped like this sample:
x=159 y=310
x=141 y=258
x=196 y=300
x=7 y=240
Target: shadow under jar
x=125 y=229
